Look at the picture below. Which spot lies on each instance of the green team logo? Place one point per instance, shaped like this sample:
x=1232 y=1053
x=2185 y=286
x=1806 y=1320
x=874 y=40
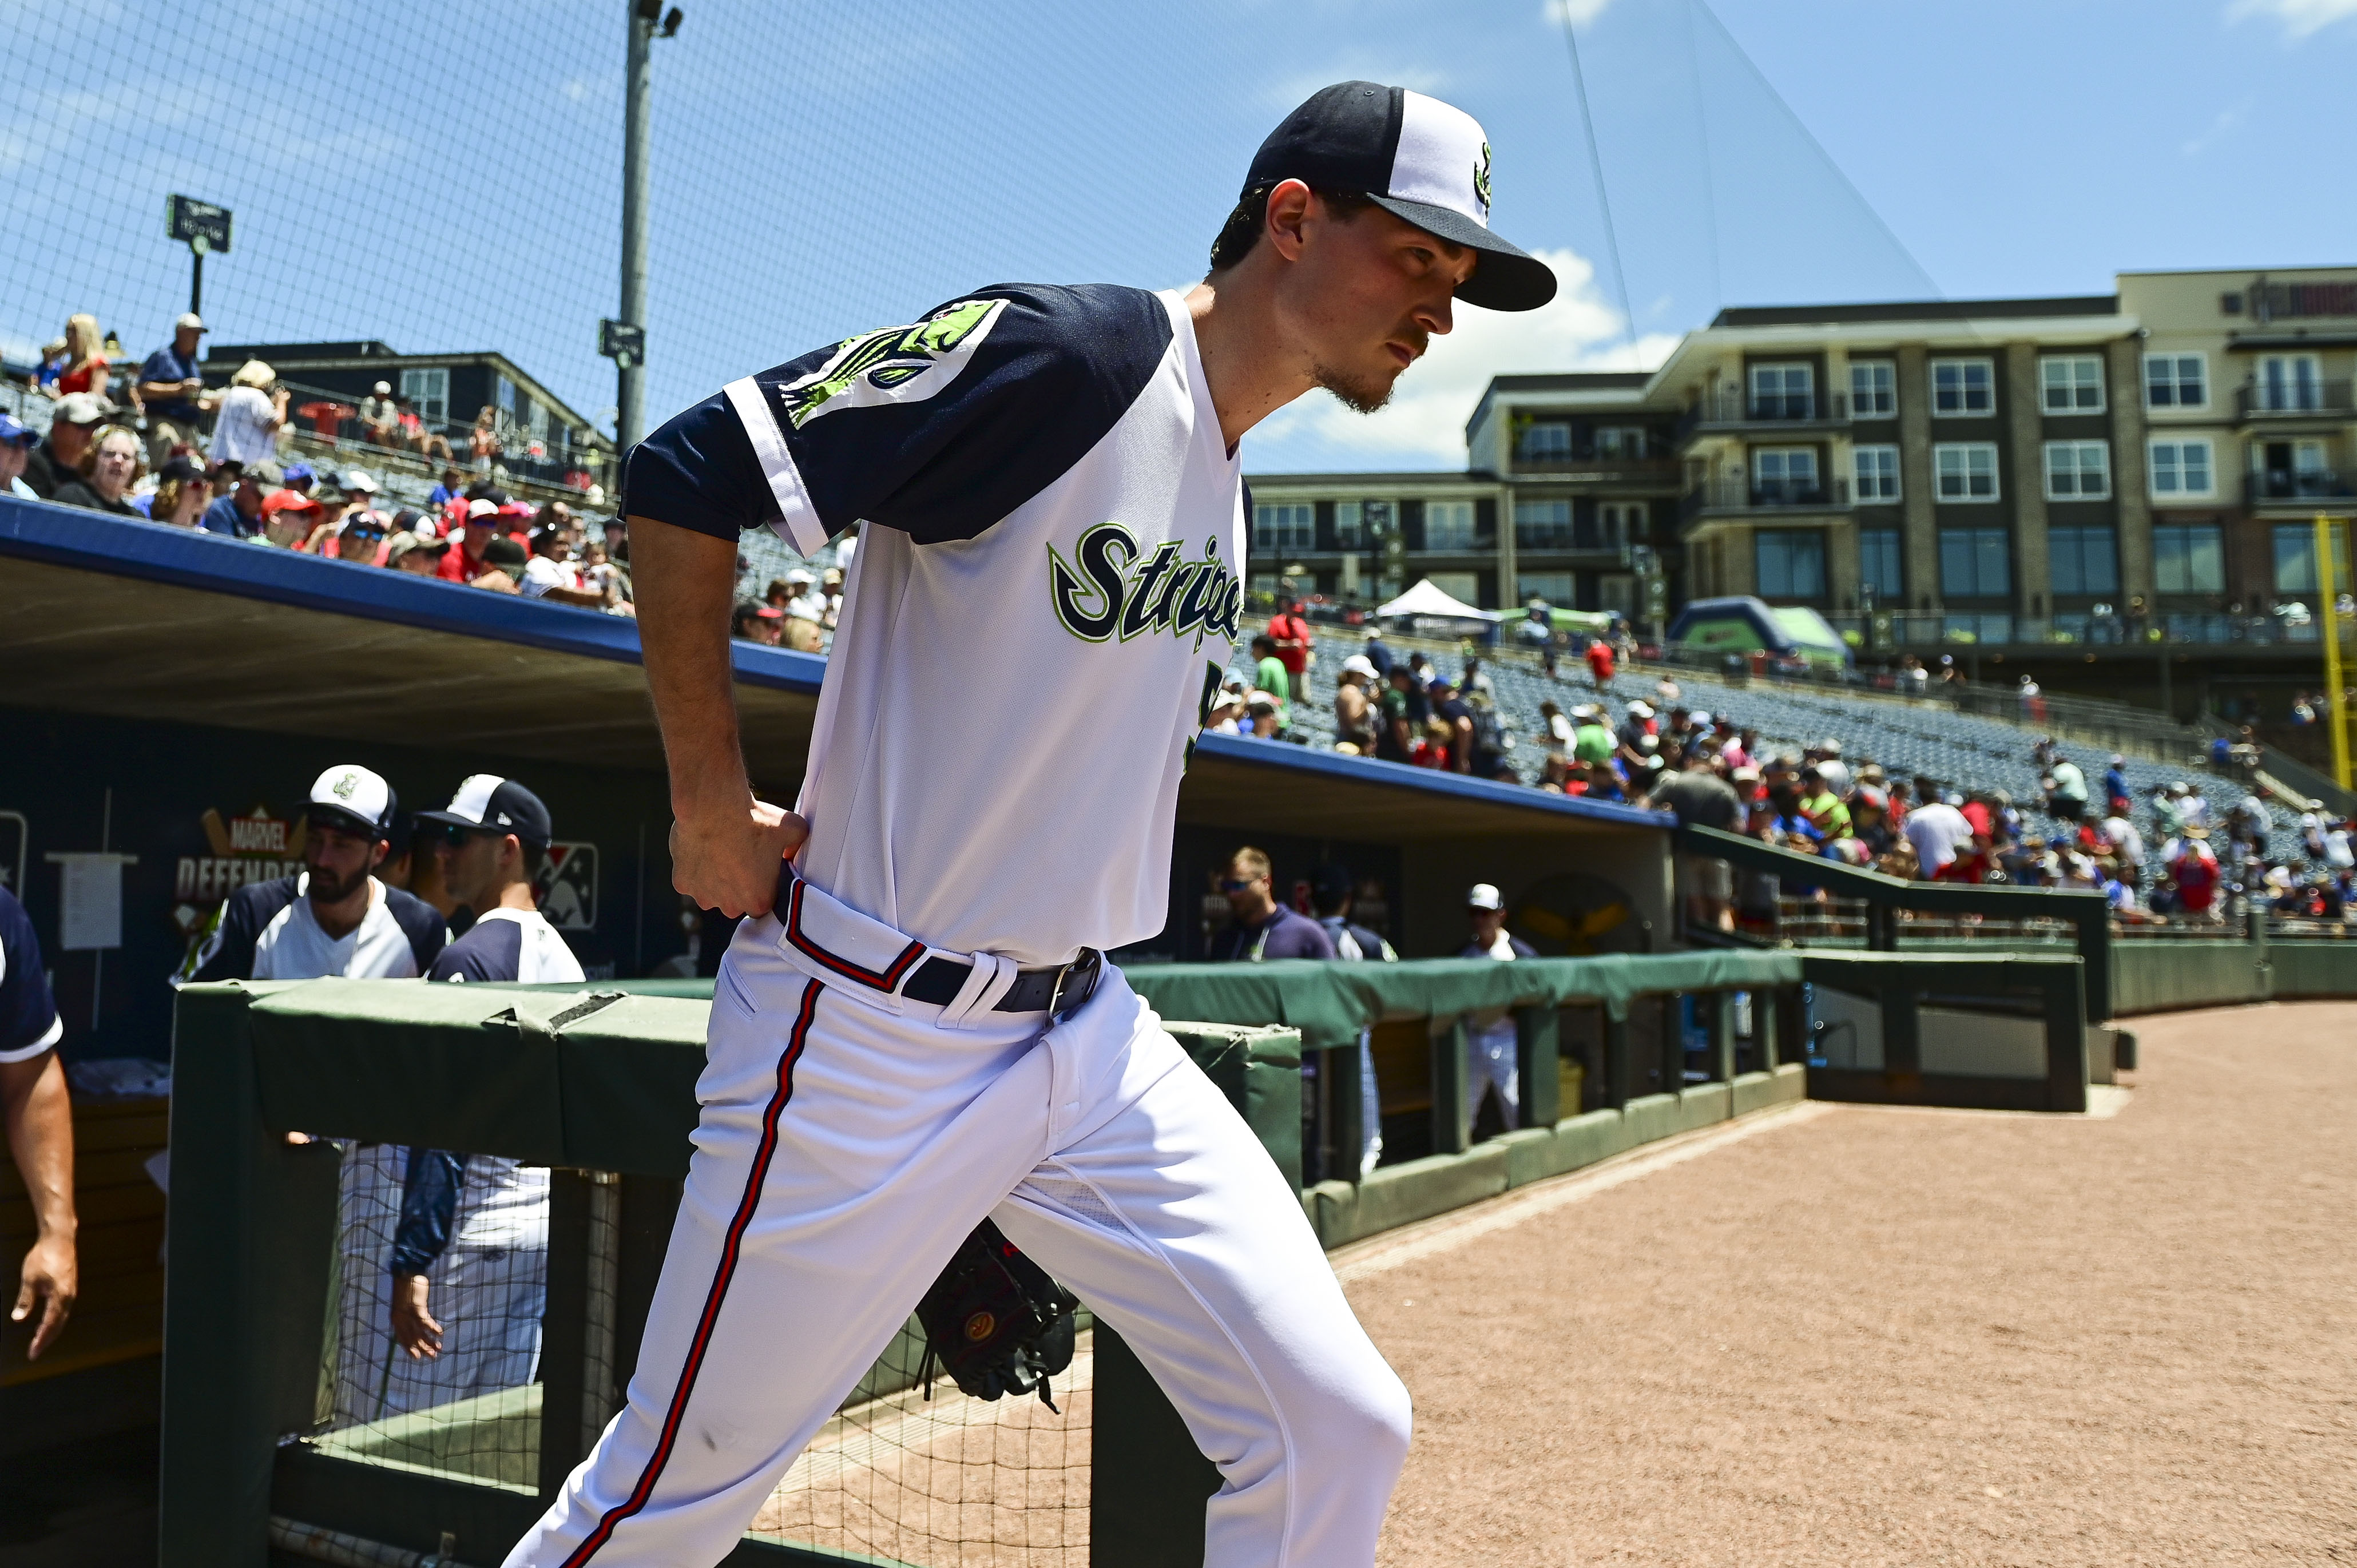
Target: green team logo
x=1481 y=180
x=342 y=788
x=1109 y=591
x=896 y=364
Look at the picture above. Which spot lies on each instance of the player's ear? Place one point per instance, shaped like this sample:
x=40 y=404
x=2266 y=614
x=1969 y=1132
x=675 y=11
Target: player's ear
x=1288 y=209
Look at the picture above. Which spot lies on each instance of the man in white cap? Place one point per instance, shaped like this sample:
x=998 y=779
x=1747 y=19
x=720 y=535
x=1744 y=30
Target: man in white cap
x=57 y=461
x=380 y=416
x=1494 y=1051
x=172 y=386
x=1354 y=706
x=335 y=918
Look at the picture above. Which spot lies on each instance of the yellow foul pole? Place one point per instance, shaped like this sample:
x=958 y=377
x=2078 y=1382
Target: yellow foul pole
x=2328 y=619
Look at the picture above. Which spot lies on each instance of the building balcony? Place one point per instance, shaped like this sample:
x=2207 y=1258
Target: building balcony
x=1897 y=631
x=1542 y=539
x=2298 y=490
x=1731 y=411
x=1558 y=467
x=1759 y=498
x=2290 y=403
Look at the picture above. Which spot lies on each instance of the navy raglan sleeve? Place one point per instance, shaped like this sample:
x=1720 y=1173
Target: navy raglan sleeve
x=491 y=949
x=228 y=952
x=28 y=1015
x=421 y=923
x=937 y=429
x=430 y=1207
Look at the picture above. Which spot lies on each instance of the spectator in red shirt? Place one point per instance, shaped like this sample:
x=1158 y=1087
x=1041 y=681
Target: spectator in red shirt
x=1290 y=633
x=1599 y=662
x=466 y=563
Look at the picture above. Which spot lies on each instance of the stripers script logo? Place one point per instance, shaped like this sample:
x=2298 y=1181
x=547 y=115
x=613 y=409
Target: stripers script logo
x=1115 y=592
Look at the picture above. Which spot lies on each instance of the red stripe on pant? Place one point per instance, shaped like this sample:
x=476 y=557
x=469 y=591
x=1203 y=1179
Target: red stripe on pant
x=728 y=1253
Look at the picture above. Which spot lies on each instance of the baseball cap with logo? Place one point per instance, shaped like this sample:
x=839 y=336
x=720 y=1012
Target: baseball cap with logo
x=488 y=803
x=1415 y=158
x=81 y=408
x=190 y=321
x=351 y=798
x=1484 y=897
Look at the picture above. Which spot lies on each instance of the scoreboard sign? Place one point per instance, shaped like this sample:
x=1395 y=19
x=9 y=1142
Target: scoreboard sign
x=200 y=225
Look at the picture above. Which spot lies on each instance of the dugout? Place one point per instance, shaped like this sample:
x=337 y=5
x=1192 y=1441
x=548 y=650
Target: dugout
x=171 y=696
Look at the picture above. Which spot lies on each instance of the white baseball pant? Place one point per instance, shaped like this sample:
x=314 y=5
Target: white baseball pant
x=852 y=1137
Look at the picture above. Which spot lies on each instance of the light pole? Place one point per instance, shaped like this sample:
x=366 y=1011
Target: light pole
x=628 y=347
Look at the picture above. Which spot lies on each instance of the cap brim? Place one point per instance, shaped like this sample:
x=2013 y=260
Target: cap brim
x=336 y=817
x=1507 y=278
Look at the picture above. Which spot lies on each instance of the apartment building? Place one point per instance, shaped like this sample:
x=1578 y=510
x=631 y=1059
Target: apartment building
x=2083 y=481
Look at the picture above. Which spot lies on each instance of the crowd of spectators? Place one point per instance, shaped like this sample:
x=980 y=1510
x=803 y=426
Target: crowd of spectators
x=148 y=456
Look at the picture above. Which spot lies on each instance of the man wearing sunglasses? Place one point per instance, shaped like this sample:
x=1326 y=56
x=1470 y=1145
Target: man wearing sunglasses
x=1263 y=927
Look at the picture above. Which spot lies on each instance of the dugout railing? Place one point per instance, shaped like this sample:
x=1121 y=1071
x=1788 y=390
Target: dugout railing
x=591 y=1091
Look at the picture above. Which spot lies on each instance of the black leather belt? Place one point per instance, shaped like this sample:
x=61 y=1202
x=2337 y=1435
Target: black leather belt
x=1058 y=992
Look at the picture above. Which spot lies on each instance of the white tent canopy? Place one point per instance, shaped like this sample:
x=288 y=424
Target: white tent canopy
x=1426 y=598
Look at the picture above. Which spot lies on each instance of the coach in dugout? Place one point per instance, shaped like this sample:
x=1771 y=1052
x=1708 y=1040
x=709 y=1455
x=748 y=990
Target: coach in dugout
x=40 y=1122
x=475 y=1226
x=1263 y=927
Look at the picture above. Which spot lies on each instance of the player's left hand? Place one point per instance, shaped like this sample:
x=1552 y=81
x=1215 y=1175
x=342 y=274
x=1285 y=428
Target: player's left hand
x=47 y=1282
x=413 y=1328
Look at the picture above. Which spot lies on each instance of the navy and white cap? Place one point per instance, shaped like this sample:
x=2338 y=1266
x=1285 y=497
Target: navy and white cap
x=489 y=804
x=1417 y=158
x=350 y=797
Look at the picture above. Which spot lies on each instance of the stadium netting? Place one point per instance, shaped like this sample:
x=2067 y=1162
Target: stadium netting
x=941 y=1480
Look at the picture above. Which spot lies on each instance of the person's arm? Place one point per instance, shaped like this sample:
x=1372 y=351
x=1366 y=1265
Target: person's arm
x=725 y=846
x=39 y=1122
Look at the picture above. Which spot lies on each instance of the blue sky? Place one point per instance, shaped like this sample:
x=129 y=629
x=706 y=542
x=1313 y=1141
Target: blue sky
x=445 y=177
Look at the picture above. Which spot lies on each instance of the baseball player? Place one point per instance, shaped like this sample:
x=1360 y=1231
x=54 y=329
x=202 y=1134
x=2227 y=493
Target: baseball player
x=37 y=1120
x=915 y=1031
x=1494 y=1051
x=473 y=1234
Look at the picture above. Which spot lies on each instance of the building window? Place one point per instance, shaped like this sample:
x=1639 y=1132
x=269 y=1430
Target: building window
x=1543 y=525
x=1877 y=565
x=1790 y=563
x=1785 y=476
x=2078 y=470
x=2290 y=384
x=1282 y=528
x=1346 y=525
x=2181 y=468
x=2071 y=383
x=1626 y=442
x=2176 y=381
x=1544 y=441
x=1783 y=392
x=1963 y=386
x=1873 y=389
x=504 y=395
x=2188 y=558
x=1965 y=470
x=2083 y=560
x=1449 y=525
x=2294 y=558
x=1877 y=471
x=1974 y=564
x=1465 y=587
x=1622 y=522
x=1555 y=587
x=430 y=390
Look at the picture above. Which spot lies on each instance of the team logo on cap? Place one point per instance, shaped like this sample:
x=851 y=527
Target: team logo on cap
x=342 y=788
x=1481 y=180
x=895 y=364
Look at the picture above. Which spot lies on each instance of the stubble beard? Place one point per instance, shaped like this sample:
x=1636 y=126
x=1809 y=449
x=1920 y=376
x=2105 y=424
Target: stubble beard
x=326 y=889
x=1358 y=393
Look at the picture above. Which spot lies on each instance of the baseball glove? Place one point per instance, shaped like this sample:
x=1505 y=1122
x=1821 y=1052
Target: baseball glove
x=996 y=1323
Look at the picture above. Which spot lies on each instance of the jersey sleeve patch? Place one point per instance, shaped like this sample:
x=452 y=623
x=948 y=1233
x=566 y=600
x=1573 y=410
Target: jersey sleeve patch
x=937 y=428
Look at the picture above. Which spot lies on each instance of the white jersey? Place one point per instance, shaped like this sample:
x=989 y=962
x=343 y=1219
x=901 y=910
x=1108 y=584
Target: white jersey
x=1050 y=587
x=508 y=944
x=294 y=947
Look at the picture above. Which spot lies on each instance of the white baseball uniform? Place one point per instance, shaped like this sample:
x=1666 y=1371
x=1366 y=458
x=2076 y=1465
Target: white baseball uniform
x=1048 y=497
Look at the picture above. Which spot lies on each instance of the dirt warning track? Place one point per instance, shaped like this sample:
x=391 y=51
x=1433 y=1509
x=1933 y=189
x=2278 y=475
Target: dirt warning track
x=1873 y=1336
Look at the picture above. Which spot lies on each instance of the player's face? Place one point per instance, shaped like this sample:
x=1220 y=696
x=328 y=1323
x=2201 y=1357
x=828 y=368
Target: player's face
x=470 y=865
x=340 y=860
x=1369 y=296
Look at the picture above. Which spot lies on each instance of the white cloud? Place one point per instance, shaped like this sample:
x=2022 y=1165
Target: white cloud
x=2299 y=17
x=2226 y=120
x=1579 y=13
x=1426 y=419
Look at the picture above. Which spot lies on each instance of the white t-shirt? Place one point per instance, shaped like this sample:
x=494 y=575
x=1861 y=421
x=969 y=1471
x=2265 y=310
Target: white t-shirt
x=242 y=431
x=1938 y=830
x=541 y=574
x=1045 y=489
x=292 y=947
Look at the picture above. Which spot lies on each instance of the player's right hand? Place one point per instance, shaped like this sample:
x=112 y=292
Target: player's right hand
x=728 y=860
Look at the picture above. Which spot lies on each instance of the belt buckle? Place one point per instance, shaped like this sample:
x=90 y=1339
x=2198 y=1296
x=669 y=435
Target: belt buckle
x=1079 y=977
